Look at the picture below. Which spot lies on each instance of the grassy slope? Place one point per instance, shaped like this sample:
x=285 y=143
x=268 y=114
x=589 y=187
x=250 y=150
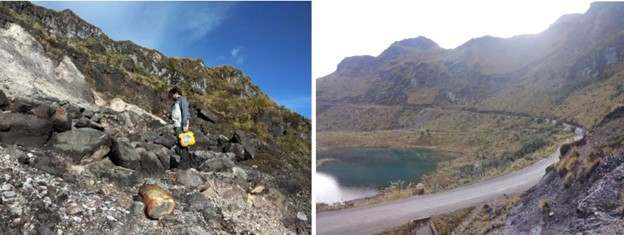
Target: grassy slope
x=148 y=90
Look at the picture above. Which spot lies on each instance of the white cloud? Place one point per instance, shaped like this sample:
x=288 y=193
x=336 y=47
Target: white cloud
x=235 y=51
x=200 y=21
x=240 y=60
x=237 y=55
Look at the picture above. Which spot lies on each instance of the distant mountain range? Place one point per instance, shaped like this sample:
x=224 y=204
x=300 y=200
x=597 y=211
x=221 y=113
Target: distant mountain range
x=572 y=71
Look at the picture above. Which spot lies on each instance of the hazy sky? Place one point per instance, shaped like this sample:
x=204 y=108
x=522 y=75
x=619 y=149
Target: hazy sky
x=346 y=28
x=268 y=41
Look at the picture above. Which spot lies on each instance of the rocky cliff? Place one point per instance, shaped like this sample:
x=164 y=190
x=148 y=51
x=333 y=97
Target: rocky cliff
x=80 y=132
x=582 y=193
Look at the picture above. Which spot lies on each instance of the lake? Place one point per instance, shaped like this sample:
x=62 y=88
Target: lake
x=358 y=173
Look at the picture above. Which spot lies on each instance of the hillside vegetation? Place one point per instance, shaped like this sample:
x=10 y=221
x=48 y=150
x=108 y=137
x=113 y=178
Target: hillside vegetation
x=498 y=103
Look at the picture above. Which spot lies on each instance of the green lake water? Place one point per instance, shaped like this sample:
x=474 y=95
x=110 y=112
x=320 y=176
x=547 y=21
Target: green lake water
x=370 y=169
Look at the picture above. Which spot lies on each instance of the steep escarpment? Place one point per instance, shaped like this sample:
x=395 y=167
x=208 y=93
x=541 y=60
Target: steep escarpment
x=582 y=193
x=84 y=110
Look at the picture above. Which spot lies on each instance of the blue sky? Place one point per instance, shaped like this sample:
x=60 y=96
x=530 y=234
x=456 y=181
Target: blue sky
x=268 y=41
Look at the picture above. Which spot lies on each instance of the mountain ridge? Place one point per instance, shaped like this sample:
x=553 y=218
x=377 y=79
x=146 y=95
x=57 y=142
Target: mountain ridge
x=572 y=53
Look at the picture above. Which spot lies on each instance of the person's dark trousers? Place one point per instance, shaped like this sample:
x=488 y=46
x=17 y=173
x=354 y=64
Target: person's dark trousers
x=185 y=162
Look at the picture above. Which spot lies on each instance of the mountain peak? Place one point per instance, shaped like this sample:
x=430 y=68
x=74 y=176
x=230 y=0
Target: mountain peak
x=66 y=21
x=419 y=42
x=410 y=45
x=485 y=40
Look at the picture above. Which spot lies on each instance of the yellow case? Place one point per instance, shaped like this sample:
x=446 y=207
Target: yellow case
x=186 y=139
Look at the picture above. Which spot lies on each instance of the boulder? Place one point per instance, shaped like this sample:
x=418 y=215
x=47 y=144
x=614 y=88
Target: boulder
x=164 y=138
x=124 y=155
x=85 y=122
x=61 y=119
x=106 y=169
x=237 y=150
x=82 y=145
x=151 y=165
x=246 y=142
x=88 y=113
x=4 y=101
x=207 y=115
x=198 y=202
x=41 y=111
x=158 y=202
x=239 y=173
x=164 y=154
x=189 y=178
x=73 y=111
x=24 y=129
x=149 y=136
x=24 y=105
x=216 y=164
x=203 y=142
x=223 y=142
x=97 y=118
x=199 y=156
x=166 y=141
x=419 y=189
x=278 y=129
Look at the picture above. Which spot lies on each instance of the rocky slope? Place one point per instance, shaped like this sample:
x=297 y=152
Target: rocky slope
x=574 y=64
x=582 y=193
x=78 y=137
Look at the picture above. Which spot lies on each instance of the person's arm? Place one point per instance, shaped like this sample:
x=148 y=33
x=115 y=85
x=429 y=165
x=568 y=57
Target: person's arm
x=184 y=106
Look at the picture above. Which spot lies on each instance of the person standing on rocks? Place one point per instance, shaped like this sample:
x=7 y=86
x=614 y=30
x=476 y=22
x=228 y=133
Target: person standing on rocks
x=180 y=117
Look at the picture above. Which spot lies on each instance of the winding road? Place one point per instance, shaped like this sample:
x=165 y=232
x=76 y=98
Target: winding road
x=383 y=216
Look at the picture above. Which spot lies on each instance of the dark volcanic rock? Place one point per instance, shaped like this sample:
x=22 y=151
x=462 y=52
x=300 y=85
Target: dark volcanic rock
x=85 y=122
x=198 y=202
x=202 y=142
x=23 y=105
x=190 y=178
x=216 y=164
x=246 y=142
x=151 y=163
x=41 y=111
x=106 y=169
x=61 y=119
x=88 y=114
x=23 y=129
x=124 y=155
x=82 y=145
x=198 y=157
x=166 y=141
x=4 y=101
x=208 y=115
x=237 y=150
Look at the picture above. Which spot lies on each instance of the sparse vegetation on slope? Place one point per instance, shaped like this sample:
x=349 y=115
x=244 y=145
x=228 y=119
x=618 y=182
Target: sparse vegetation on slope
x=487 y=145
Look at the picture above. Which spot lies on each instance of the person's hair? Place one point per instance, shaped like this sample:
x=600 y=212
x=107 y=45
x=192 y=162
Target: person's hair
x=174 y=90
